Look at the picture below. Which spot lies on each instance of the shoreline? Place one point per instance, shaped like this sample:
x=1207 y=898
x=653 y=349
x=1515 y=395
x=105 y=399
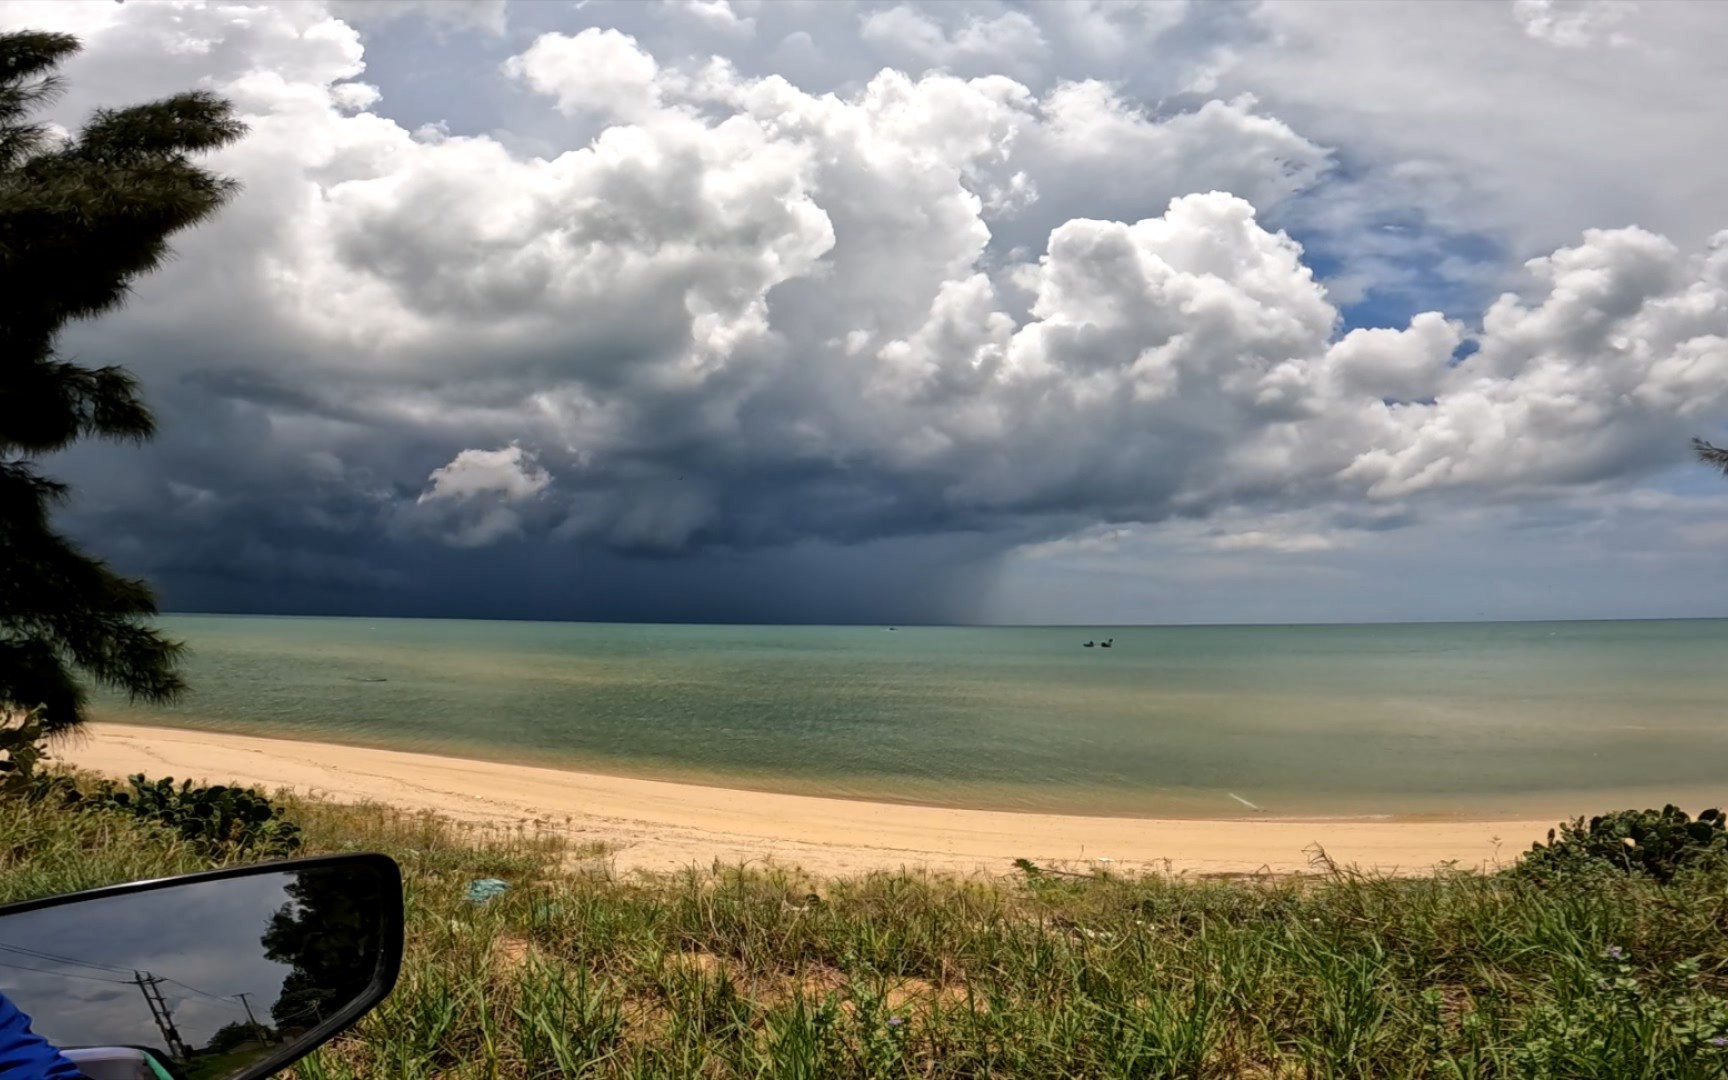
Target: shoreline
x=1549 y=806
x=659 y=825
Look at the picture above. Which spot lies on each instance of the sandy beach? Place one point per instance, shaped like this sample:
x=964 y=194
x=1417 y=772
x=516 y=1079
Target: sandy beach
x=654 y=825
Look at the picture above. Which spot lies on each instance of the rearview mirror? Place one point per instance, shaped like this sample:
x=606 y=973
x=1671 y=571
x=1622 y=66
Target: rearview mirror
x=230 y=975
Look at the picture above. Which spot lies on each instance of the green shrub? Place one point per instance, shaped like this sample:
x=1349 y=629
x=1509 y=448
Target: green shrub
x=1606 y=1015
x=21 y=750
x=1646 y=843
x=215 y=819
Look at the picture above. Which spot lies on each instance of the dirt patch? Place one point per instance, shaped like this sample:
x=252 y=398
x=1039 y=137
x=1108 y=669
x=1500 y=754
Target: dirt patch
x=912 y=993
x=705 y=962
x=819 y=981
x=510 y=952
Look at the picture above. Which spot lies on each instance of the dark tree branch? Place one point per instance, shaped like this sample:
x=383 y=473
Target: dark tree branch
x=80 y=220
x=1714 y=456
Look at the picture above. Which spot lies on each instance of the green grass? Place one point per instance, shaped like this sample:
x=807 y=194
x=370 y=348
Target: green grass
x=767 y=973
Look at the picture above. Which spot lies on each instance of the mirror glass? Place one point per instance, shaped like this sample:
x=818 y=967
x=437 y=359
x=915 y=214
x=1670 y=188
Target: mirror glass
x=197 y=980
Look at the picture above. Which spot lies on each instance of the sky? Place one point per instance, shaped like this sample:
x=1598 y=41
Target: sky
x=969 y=311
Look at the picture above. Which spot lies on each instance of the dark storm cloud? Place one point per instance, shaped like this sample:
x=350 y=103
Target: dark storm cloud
x=255 y=561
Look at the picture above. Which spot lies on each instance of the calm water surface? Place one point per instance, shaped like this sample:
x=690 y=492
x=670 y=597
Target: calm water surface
x=1449 y=719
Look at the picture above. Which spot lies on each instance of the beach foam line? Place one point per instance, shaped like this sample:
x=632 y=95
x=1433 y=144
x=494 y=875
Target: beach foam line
x=659 y=825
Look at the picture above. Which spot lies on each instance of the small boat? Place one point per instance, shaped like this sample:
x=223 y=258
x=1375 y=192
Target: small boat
x=1089 y=644
x=1107 y=643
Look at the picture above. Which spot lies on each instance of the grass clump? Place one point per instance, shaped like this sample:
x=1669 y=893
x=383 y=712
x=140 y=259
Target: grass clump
x=764 y=972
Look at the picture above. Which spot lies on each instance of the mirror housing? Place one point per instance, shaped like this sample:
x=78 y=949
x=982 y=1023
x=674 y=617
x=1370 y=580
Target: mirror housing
x=231 y=974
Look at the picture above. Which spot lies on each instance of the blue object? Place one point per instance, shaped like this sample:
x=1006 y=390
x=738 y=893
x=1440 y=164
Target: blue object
x=478 y=893
x=25 y=1055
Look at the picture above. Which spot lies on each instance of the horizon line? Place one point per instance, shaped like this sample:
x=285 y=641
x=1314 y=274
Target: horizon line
x=955 y=626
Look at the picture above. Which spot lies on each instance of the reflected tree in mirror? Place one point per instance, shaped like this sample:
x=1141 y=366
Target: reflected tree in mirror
x=326 y=933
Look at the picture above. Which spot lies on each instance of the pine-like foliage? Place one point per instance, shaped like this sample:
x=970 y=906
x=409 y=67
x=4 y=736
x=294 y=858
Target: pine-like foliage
x=81 y=217
x=1714 y=456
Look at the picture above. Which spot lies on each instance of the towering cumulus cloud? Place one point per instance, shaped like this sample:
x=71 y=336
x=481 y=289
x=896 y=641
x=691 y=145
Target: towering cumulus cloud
x=690 y=328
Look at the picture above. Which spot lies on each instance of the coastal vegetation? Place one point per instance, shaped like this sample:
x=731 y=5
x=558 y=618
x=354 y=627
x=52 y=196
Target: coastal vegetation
x=1714 y=456
x=1574 y=961
x=82 y=216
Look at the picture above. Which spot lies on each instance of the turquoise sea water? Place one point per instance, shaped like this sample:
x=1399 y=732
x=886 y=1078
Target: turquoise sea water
x=1444 y=719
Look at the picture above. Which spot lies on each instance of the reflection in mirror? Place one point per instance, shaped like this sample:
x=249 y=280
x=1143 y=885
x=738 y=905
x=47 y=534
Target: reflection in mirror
x=196 y=981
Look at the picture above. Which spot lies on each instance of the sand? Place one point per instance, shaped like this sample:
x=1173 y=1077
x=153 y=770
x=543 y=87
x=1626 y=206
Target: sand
x=654 y=825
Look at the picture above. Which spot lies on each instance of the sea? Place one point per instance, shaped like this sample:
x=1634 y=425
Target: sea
x=1448 y=721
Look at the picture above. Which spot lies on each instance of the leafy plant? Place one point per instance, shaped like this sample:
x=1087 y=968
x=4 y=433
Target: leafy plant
x=21 y=741
x=214 y=818
x=1648 y=843
x=1609 y=1013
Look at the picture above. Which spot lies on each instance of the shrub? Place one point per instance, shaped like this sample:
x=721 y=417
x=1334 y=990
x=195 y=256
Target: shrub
x=1647 y=843
x=21 y=750
x=216 y=819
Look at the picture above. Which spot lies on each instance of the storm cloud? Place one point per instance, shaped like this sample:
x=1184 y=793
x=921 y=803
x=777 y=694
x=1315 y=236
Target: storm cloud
x=841 y=312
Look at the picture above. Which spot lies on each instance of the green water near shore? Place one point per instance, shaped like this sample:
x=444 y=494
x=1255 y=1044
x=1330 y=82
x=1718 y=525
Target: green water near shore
x=1443 y=719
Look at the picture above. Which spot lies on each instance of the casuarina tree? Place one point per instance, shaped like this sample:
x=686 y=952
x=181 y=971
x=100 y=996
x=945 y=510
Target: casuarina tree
x=82 y=216
x=1714 y=456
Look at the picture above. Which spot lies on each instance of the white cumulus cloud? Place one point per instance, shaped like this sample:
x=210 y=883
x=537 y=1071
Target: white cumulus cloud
x=510 y=473
x=733 y=312
x=474 y=500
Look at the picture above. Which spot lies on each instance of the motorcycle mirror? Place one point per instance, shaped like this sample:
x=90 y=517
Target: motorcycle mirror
x=228 y=975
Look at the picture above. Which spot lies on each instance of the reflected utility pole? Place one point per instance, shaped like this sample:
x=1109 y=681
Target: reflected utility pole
x=159 y=1012
x=263 y=1038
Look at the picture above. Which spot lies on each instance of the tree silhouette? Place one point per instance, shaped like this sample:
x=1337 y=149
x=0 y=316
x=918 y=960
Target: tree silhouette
x=232 y=1036
x=81 y=217
x=1714 y=456
x=330 y=933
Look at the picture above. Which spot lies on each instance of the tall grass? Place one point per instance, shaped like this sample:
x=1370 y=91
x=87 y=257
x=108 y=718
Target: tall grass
x=730 y=972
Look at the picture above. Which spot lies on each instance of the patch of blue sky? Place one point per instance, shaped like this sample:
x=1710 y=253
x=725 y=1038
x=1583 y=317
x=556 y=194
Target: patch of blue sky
x=1382 y=272
x=1370 y=237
